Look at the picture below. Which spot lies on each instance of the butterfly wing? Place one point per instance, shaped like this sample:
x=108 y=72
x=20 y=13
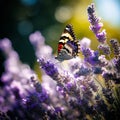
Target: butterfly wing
x=68 y=45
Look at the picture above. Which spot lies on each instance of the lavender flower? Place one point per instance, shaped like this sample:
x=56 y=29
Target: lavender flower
x=116 y=47
x=83 y=71
x=90 y=56
x=95 y=27
x=16 y=83
x=49 y=68
x=101 y=36
x=103 y=61
x=95 y=24
x=105 y=48
x=117 y=64
x=38 y=42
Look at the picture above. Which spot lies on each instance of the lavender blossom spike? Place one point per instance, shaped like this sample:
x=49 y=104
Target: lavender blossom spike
x=49 y=68
x=96 y=25
x=101 y=36
x=116 y=47
x=105 y=48
x=91 y=14
x=91 y=56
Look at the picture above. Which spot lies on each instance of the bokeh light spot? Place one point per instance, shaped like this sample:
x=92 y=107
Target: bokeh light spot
x=63 y=14
x=25 y=27
x=29 y=2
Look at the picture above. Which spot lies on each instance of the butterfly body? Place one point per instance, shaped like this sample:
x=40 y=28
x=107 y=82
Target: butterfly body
x=68 y=46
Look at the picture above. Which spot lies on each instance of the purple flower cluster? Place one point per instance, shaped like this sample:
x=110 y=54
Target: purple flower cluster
x=85 y=88
x=96 y=26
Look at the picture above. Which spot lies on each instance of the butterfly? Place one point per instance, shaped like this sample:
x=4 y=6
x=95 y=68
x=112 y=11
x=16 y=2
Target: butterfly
x=68 y=46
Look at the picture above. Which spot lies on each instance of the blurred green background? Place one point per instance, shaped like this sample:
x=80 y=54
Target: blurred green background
x=19 y=18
